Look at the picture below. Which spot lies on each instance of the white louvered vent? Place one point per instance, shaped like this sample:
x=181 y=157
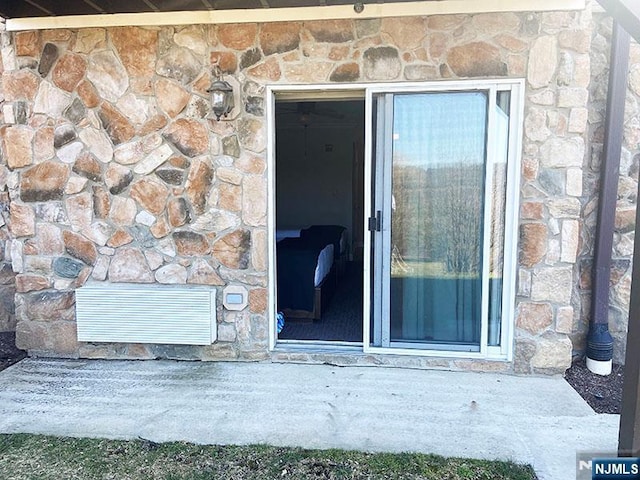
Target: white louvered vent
x=132 y=313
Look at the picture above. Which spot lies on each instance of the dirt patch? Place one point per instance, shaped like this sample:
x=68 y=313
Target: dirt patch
x=602 y=393
x=9 y=353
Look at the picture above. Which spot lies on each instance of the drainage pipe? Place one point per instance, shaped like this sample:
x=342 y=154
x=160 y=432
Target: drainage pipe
x=599 y=340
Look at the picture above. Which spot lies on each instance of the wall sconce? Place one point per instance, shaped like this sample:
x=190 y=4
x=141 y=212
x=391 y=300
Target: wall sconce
x=221 y=96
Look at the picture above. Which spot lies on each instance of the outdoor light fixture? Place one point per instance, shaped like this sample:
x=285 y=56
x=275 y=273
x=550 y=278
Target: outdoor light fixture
x=221 y=96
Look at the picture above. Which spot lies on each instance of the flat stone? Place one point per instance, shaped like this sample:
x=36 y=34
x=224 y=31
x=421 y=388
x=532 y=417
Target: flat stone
x=27 y=43
x=89 y=39
x=49 y=240
x=70 y=153
x=570 y=241
x=67 y=268
x=553 y=353
x=79 y=247
x=226 y=61
x=101 y=202
x=155 y=123
x=199 y=184
x=64 y=134
x=476 y=59
x=193 y=38
x=251 y=164
x=31 y=283
x=172 y=274
x=553 y=284
x=231 y=146
x=123 y=210
x=564 y=320
x=87 y=166
x=22 y=220
x=233 y=249
x=50 y=100
x=238 y=36
x=88 y=94
x=161 y=228
x=171 y=97
x=119 y=239
x=180 y=64
x=308 y=72
x=115 y=124
x=202 y=273
x=406 y=33
x=108 y=75
x=381 y=63
x=80 y=210
x=137 y=47
x=230 y=197
x=533 y=243
x=171 y=176
x=48 y=57
x=267 y=70
x=117 y=178
x=44 y=182
x=154 y=259
x=251 y=134
x=20 y=85
x=562 y=152
x=259 y=255
x=543 y=58
x=98 y=144
x=152 y=161
x=564 y=208
x=254 y=201
x=191 y=243
x=76 y=112
x=254 y=106
x=69 y=71
x=279 y=37
x=229 y=175
x=129 y=266
x=189 y=136
x=151 y=195
x=347 y=72
x=134 y=108
x=178 y=212
x=250 y=57
x=535 y=318
x=331 y=31
x=215 y=220
x=17 y=142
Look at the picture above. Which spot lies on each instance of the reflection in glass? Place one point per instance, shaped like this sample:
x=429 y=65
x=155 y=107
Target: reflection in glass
x=437 y=206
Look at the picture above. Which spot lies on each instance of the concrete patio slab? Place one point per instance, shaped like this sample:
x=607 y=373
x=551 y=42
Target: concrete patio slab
x=536 y=420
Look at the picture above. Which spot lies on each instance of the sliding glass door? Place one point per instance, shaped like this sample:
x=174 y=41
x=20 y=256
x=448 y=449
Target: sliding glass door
x=437 y=226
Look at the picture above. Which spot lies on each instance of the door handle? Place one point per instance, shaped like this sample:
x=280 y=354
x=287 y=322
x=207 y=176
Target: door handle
x=375 y=223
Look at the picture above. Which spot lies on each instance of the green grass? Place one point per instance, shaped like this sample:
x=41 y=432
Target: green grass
x=38 y=457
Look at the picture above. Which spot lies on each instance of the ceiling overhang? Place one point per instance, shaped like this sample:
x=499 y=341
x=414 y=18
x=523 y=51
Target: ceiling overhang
x=46 y=14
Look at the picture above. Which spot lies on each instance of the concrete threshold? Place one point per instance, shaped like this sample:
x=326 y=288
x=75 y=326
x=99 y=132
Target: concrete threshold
x=537 y=420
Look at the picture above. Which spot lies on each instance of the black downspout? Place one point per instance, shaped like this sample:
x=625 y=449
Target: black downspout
x=599 y=340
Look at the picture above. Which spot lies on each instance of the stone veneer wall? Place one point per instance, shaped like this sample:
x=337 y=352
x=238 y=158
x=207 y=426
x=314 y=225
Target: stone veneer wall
x=627 y=192
x=115 y=173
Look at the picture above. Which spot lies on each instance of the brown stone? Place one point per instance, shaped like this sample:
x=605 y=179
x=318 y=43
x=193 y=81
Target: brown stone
x=279 y=37
x=151 y=195
x=534 y=317
x=22 y=220
x=476 y=59
x=20 y=85
x=129 y=265
x=171 y=97
x=189 y=136
x=108 y=75
x=117 y=178
x=115 y=124
x=445 y=22
x=338 y=53
x=532 y=211
x=27 y=43
x=68 y=72
x=80 y=210
x=17 y=146
x=119 y=239
x=268 y=70
x=88 y=167
x=238 y=36
x=202 y=273
x=251 y=164
x=30 y=283
x=137 y=48
x=79 y=247
x=331 y=31
x=258 y=300
x=155 y=123
x=49 y=240
x=533 y=243
x=226 y=61
x=123 y=211
x=48 y=306
x=161 y=228
x=230 y=197
x=44 y=182
x=178 y=212
x=191 y=243
x=101 y=202
x=406 y=33
x=88 y=94
x=347 y=72
x=199 y=185
x=233 y=250
x=511 y=43
x=254 y=201
x=381 y=63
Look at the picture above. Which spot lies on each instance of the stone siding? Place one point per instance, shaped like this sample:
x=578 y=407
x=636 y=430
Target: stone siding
x=622 y=254
x=116 y=174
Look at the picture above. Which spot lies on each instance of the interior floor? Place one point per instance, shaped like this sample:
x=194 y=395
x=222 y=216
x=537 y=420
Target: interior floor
x=341 y=320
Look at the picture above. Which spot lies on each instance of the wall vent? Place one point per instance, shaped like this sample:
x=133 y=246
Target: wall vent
x=133 y=313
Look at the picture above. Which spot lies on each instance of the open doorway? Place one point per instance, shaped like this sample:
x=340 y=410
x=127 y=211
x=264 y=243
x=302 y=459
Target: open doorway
x=319 y=179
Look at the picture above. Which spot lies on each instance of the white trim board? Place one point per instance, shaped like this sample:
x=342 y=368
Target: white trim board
x=291 y=14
